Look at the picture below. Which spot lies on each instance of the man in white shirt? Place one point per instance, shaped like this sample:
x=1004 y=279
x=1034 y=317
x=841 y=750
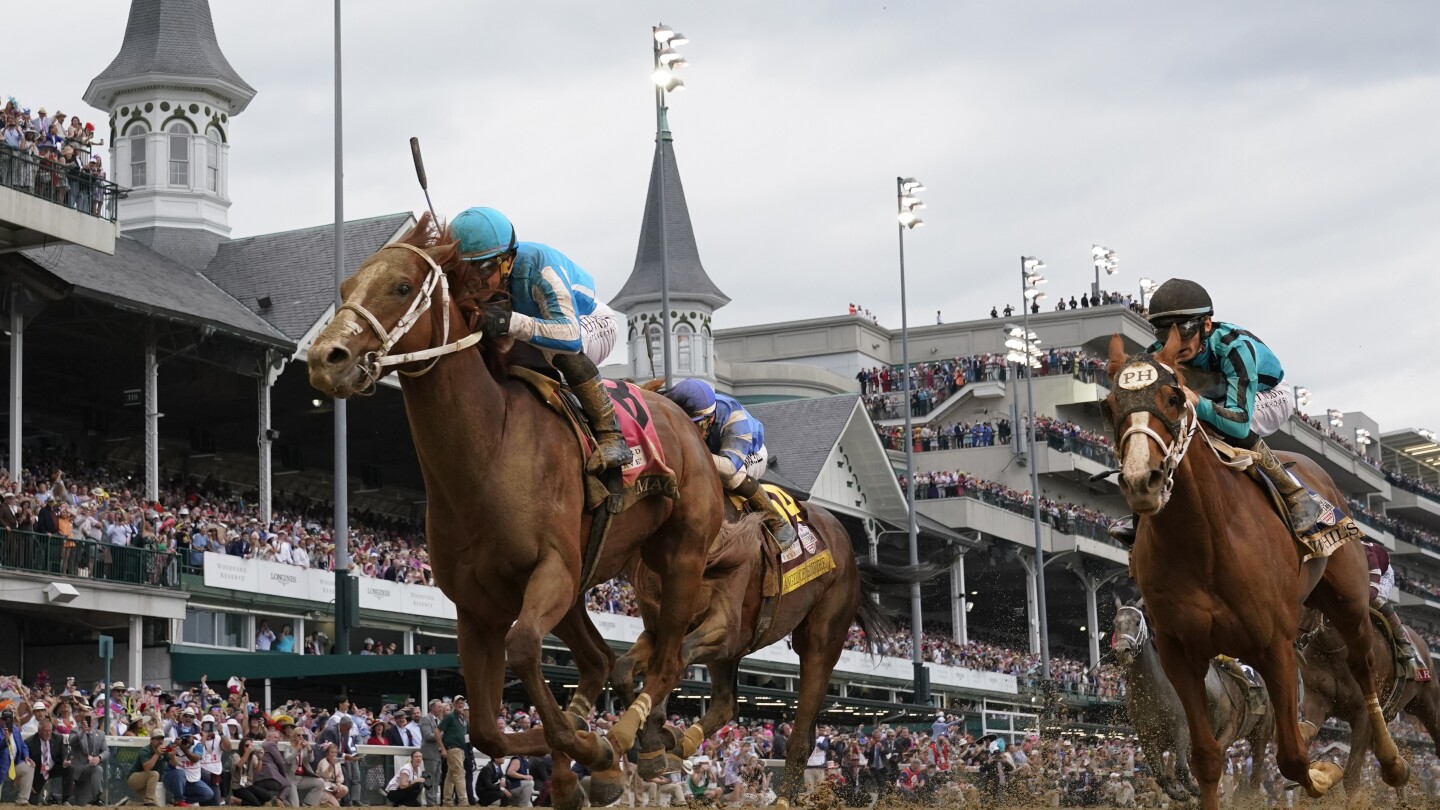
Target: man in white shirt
x=300 y=556
x=264 y=637
x=284 y=551
x=410 y=730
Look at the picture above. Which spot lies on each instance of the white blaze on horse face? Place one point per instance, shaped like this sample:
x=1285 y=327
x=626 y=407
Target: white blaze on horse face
x=1137 y=450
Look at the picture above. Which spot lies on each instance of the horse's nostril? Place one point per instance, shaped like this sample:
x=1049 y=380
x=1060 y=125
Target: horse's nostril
x=1154 y=480
x=337 y=356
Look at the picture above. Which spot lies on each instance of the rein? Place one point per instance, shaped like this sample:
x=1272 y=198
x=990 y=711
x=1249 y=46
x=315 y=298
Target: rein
x=1174 y=450
x=374 y=363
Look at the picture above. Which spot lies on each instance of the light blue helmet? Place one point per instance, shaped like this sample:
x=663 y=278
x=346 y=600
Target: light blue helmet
x=696 y=397
x=483 y=233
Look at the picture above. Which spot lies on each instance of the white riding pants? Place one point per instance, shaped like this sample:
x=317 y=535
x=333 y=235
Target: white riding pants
x=1273 y=409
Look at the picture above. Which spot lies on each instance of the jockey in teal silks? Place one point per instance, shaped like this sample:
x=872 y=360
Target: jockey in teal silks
x=1255 y=402
x=552 y=308
x=737 y=441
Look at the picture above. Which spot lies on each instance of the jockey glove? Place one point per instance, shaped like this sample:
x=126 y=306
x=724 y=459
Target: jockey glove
x=496 y=321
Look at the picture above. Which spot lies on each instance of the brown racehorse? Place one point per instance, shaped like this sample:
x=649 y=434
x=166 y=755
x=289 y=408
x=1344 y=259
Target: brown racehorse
x=1220 y=572
x=505 y=518
x=1329 y=692
x=817 y=616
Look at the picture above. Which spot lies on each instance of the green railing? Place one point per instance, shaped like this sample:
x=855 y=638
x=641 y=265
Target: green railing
x=85 y=559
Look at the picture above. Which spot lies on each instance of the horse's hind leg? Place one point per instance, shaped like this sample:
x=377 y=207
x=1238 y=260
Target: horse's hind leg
x=1351 y=618
x=629 y=666
x=818 y=639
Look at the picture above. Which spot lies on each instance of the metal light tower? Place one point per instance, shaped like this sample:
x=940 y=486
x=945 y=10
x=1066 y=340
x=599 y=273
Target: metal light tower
x=906 y=204
x=1030 y=279
x=1104 y=259
x=1147 y=289
x=663 y=42
x=342 y=480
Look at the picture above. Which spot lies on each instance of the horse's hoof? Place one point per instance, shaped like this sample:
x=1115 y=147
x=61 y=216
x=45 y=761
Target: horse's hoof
x=651 y=764
x=1323 y=776
x=606 y=787
x=1396 y=774
x=606 y=761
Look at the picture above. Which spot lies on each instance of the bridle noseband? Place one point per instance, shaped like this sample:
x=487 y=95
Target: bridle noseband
x=1142 y=632
x=374 y=362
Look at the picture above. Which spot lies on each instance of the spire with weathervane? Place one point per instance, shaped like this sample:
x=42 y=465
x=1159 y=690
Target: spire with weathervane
x=693 y=296
x=171 y=94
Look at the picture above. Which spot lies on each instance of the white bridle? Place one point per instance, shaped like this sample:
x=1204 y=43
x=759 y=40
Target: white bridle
x=1142 y=632
x=1174 y=450
x=375 y=362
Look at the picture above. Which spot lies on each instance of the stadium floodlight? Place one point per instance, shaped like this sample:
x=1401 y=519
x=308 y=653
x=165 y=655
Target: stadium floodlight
x=1302 y=396
x=1337 y=419
x=1030 y=278
x=1362 y=437
x=665 y=60
x=1427 y=435
x=906 y=204
x=663 y=33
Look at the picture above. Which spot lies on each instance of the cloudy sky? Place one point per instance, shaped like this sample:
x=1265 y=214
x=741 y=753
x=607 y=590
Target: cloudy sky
x=1285 y=154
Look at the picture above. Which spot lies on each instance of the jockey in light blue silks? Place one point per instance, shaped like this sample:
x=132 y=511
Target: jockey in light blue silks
x=553 y=308
x=737 y=441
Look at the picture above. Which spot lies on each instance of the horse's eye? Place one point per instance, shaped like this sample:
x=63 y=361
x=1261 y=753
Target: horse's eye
x=403 y=288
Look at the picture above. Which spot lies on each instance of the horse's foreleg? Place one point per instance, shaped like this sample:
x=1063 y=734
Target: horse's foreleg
x=1188 y=678
x=629 y=666
x=1277 y=666
x=593 y=658
x=482 y=660
x=1361 y=738
x=549 y=596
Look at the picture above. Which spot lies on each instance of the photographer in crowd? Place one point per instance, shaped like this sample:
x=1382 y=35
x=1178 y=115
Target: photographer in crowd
x=154 y=761
x=404 y=787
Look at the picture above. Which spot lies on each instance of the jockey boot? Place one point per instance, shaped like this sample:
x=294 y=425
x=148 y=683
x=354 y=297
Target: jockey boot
x=775 y=520
x=1409 y=659
x=1123 y=530
x=1304 y=511
x=584 y=379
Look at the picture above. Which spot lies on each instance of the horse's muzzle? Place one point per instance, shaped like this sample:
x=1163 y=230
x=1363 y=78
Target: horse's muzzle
x=335 y=371
x=1142 y=490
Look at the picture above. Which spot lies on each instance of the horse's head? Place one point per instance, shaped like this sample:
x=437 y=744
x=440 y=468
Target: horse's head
x=1148 y=410
x=397 y=313
x=1131 y=632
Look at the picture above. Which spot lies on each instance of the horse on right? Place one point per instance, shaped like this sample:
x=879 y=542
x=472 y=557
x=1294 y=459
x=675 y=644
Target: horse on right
x=1330 y=692
x=1222 y=573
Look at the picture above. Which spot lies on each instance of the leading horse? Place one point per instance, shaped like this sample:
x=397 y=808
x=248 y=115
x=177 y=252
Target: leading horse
x=1220 y=572
x=505 y=513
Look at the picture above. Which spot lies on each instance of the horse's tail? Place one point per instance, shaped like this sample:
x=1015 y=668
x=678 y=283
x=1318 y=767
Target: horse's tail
x=875 y=620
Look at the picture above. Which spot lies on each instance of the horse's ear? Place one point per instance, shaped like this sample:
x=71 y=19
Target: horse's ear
x=1117 y=356
x=1171 y=349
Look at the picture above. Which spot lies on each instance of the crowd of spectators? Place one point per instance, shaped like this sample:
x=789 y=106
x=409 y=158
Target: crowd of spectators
x=932 y=382
x=1402 y=529
x=96 y=513
x=1070 y=518
x=1416 y=582
x=1067 y=437
x=1410 y=483
x=50 y=156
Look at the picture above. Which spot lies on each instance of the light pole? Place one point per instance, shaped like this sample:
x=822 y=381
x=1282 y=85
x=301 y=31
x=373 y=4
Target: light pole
x=1337 y=418
x=906 y=204
x=1302 y=398
x=1104 y=259
x=1147 y=289
x=664 y=40
x=1030 y=279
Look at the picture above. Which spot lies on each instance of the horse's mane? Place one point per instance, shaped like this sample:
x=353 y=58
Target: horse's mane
x=435 y=237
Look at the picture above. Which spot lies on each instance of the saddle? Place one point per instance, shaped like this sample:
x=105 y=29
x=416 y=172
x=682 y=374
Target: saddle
x=1333 y=530
x=781 y=572
x=1256 y=698
x=613 y=491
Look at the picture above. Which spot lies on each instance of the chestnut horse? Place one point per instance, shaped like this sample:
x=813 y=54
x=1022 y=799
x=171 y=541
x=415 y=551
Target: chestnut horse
x=1220 y=572
x=506 y=522
x=1329 y=692
x=817 y=616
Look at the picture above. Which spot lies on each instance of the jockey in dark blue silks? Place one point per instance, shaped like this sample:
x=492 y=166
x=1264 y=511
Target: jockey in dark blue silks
x=737 y=441
x=553 y=308
x=1256 y=400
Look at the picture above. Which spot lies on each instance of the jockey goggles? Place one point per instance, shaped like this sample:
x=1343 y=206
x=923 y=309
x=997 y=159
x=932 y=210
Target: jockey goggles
x=1188 y=328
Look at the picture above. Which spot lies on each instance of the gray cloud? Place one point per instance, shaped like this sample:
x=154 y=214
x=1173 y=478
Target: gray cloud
x=1282 y=153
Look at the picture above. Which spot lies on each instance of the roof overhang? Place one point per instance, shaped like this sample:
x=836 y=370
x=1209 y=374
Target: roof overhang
x=103 y=92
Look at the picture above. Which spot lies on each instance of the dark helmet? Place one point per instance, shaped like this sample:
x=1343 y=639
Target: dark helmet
x=1179 y=299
